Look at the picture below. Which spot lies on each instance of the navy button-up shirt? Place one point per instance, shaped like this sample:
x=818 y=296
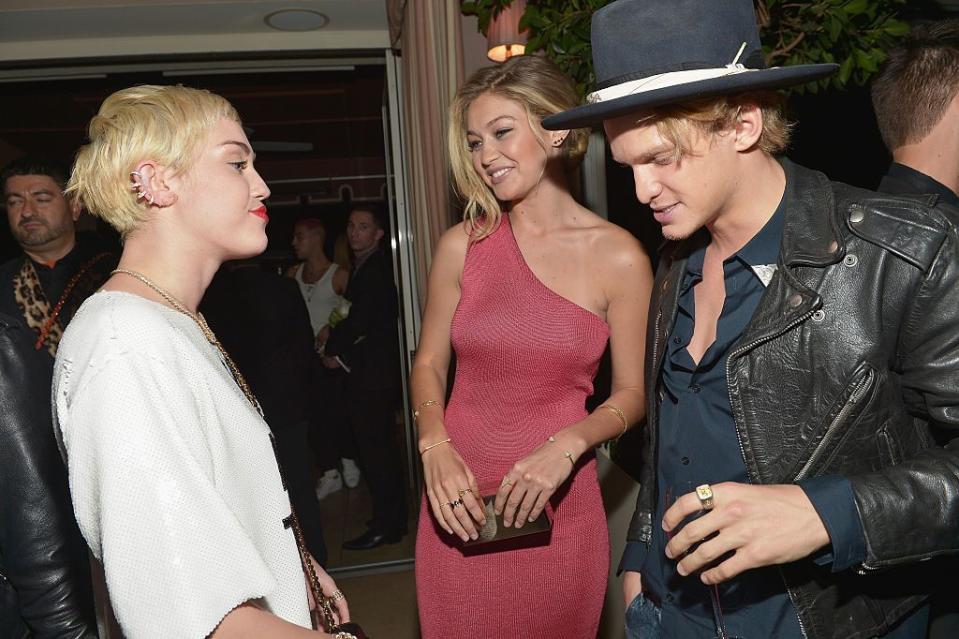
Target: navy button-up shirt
x=698 y=443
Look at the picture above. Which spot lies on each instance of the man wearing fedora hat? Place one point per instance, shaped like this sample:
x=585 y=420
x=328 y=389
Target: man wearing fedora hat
x=803 y=348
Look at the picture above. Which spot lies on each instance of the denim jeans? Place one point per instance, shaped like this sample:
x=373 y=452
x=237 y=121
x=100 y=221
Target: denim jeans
x=643 y=619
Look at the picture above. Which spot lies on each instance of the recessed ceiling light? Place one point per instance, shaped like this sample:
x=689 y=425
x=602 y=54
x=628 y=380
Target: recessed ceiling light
x=296 y=20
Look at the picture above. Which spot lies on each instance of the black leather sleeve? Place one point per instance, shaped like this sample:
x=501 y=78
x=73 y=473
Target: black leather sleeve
x=42 y=556
x=910 y=511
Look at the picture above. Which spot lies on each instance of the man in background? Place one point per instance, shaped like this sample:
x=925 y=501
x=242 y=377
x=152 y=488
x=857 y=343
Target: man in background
x=45 y=285
x=365 y=345
x=916 y=100
x=260 y=321
x=322 y=283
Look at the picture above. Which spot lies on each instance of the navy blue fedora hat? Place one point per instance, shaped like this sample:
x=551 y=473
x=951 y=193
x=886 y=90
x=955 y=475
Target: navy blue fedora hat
x=654 y=53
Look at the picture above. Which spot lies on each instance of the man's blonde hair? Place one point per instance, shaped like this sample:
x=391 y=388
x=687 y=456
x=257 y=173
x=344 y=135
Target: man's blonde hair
x=542 y=89
x=679 y=124
x=166 y=124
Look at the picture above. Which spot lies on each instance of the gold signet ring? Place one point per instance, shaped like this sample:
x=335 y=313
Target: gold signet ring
x=705 y=495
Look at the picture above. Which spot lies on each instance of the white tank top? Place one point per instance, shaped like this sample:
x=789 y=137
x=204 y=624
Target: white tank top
x=320 y=297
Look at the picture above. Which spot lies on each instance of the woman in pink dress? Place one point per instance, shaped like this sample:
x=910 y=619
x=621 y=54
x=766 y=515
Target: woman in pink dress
x=527 y=291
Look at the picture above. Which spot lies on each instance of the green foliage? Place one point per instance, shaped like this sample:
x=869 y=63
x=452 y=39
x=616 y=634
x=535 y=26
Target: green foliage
x=853 y=33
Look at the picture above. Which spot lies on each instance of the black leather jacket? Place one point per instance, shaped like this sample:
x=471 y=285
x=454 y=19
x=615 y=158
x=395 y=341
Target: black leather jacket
x=848 y=366
x=44 y=571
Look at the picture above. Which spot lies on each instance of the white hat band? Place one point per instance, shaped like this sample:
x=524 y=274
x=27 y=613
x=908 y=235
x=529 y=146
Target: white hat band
x=663 y=80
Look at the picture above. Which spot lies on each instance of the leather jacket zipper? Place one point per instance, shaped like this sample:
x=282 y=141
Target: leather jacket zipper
x=857 y=394
x=742 y=349
x=789 y=593
x=742 y=451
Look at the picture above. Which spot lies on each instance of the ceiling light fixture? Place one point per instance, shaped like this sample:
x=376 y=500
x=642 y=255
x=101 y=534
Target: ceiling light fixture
x=296 y=20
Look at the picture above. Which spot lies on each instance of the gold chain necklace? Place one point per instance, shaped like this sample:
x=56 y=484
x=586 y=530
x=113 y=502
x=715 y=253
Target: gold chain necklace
x=204 y=328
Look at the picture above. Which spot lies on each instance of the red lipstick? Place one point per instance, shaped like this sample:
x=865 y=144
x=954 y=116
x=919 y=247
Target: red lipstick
x=260 y=212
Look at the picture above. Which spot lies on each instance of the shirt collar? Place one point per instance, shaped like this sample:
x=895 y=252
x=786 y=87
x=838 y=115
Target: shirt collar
x=761 y=250
x=922 y=182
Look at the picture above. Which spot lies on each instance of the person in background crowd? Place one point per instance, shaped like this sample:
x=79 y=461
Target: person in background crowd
x=916 y=99
x=528 y=291
x=58 y=269
x=322 y=284
x=41 y=290
x=261 y=321
x=365 y=346
x=804 y=342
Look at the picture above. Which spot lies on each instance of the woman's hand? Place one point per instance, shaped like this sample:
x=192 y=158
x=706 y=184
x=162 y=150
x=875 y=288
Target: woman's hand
x=531 y=481
x=341 y=611
x=452 y=491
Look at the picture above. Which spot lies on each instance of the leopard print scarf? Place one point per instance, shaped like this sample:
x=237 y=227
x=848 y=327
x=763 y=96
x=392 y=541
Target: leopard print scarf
x=38 y=313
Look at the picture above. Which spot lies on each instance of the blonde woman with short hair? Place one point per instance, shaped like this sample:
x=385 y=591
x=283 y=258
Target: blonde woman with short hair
x=172 y=471
x=527 y=291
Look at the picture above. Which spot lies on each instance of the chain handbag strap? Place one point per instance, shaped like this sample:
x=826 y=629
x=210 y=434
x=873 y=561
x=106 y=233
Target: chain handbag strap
x=323 y=603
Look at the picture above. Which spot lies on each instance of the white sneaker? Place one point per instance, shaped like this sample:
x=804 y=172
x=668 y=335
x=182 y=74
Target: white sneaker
x=330 y=482
x=351 y=473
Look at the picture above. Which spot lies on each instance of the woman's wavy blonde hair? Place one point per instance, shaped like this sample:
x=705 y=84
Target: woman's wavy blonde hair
x=537 y=84
x=167 y=124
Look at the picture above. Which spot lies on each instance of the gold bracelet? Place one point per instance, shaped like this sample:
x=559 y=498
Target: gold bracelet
x=621 y=414
x=421 y=406
x=434 y=445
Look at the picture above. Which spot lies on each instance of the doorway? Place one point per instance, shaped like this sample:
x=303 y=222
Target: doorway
x=326 y=132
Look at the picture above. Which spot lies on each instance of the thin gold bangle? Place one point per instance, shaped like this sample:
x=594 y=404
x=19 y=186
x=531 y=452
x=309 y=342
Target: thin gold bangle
x=434 y=445
x=568 y=454
x=622 y=416
x=421 y=406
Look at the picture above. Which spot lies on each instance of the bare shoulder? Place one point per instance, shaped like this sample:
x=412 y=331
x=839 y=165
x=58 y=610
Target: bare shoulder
x=450 y=251
x=616 y=248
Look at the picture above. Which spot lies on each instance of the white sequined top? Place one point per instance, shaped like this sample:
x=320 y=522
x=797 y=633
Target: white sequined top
x=172 y=473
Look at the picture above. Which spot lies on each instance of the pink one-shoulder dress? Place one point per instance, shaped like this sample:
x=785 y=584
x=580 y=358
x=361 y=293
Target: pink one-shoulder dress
x=525 y=362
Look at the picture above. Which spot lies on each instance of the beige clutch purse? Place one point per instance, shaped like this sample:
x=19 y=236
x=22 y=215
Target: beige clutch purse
x=495 y=530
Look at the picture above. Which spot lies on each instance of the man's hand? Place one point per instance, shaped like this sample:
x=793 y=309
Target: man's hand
x=761 y=525
x=632 y=586
x=319 y=342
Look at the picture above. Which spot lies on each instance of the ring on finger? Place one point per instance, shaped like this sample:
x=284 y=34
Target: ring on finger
x=705 y=495
x=464 y=491
x=337 y=595
x=456 y=502
x=507 y=481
